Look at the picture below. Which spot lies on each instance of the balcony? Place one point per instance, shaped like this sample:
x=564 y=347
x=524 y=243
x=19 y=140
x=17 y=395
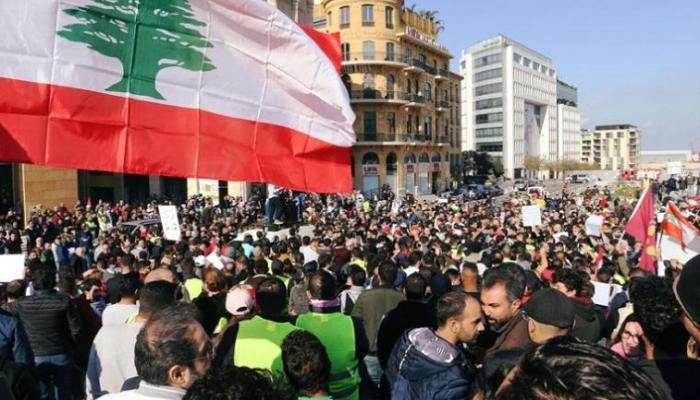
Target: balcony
x=414 y=65
x=375 y=138
x=444 y=140
x=374 y=58
x=414 y=100
x=442 y=105
x=378 y=96
x=442 y=75
x=414 y=138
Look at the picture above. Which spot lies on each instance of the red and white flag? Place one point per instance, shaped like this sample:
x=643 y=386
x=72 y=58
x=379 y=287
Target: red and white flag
x=694 y=202
x=677 y=226
x=642 y=226
x=220 y=89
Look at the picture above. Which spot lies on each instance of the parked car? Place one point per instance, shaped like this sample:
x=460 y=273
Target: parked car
x=494 y=190
x=580 y=178
x=519 y=185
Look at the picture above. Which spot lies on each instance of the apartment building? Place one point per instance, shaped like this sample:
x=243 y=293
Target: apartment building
x=612 y=147
x=406 y=99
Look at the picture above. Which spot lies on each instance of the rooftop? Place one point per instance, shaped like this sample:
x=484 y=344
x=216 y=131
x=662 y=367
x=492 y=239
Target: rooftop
x=502 y=40
x=615 y=127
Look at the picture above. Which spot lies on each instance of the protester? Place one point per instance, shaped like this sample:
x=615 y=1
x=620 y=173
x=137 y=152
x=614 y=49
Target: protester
x=588 y=325
x=426 y=363
x=356 y=280
x=119 y=312
x=237 y=383
x=567 y=368
x=53 y=327
x=111 y=362
x=629 y=343
x=501 y=294
x=172 y=351
x=371 y=307
x=307 y=366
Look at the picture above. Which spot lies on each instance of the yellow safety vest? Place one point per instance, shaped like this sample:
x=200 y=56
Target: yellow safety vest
x=259 y=344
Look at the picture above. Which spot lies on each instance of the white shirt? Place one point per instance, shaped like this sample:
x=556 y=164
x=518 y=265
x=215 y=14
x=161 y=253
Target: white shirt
x=309 y=254
x=111 y=360
x=410 y=270
x=117 y=314
x=147 y=391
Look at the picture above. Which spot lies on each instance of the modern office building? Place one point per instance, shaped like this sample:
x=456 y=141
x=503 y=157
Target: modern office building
x=406 y=100
x=25 y=186
x=568 y=123
x=612 y=147
x=509 y=103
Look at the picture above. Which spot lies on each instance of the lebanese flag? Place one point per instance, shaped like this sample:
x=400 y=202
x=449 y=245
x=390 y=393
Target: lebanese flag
x=694 y=202
x=642 y=226
x=219 y=89
x=599 y=259
x=677 y=226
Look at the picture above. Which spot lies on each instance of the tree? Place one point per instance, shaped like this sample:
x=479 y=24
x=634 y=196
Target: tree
x=145 y=36
x=533 y=164
x=481 y=163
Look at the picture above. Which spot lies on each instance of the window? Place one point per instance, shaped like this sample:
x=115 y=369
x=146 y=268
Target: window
x=527 y=62
x=391 y=121
x=344 y=17
x=390 y=83
x=487 y=89
x=552 y=72
x=370 y=122
x=488 y=74
x=489 y=103
x=428 y=127
x=421 y=60
x=488 y=118
x=345 y=51
x=407 y=55
x=489 y=132
x=486 y=60
x=389 y=51
x=409 y=124
x=389 y=16
x=489 y=147
x=367 y=15
x=427 y=91
x=368 y=82
x=330 y=19
x=368 y=50
x=517 y=58
x=536 y=66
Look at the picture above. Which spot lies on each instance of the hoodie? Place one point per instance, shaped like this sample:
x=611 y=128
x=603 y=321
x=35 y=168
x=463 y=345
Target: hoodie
x=424 y=366
x=588 y=326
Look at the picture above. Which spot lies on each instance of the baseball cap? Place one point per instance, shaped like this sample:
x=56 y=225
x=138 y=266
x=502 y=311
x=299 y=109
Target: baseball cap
x=550 y=307
x=687 y=289
x=239 y=301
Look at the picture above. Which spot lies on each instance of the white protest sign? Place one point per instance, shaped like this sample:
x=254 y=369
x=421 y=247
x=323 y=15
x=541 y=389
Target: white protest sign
x=604 y=292
x=532 y=216
x=11 y=267
x=214 y=259
x=593 y=224
x=396 y=206
x=170 y=222
x=671 y=248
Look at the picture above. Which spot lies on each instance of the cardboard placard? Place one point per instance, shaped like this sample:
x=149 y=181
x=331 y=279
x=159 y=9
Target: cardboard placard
x=604 y=292
x=532 y=216
x=171 y=223
x=593 y=225
x=11 y=267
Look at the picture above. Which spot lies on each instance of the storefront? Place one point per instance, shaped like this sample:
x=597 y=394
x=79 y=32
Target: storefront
x=423 y=174
x=392 y=166
x=370 y=174
x=409 y=161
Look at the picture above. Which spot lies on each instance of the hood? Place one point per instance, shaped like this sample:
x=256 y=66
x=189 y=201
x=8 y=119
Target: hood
x=426 y=354
x=584 y=311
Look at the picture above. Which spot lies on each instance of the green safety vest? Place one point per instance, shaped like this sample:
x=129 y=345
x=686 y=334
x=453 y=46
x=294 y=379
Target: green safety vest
x=337 y=333
x=259 y=344
x=194 y=287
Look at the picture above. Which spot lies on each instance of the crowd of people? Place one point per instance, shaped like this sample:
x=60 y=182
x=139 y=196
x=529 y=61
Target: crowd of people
x=391 y=299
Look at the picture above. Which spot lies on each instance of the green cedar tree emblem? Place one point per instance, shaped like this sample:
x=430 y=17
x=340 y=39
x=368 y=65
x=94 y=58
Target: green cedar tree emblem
x=146 y=36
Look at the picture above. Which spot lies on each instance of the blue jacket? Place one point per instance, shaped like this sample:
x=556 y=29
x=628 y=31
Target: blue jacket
x=423 y=366
x=14 y=345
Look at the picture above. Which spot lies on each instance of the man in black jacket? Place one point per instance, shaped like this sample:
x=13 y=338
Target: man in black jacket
x=53 y=327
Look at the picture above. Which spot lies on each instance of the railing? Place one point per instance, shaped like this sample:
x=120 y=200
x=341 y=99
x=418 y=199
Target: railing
x=373 y=56
x=414 y=98
x=377 y=94
x=442 y=104
x=414 y=137
x=376 y=137
x=444 y=140
x=443 y=72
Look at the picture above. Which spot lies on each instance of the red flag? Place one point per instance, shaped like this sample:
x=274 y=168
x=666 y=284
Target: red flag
x=599 y=259
x=642 y=226
x=677 y=226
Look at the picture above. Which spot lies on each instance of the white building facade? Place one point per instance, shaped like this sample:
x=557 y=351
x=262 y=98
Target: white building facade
x=509 y=103
x=568 y=123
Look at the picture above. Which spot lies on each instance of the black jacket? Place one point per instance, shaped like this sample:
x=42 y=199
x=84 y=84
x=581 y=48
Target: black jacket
x=51 y=322
x=17 y=382
x=406 y=316
x=588 y=325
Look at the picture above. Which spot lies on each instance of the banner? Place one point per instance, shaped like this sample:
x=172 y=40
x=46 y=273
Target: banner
x=170 y=222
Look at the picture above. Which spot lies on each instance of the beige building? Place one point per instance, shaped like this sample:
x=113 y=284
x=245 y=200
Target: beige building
x=612 y=147
x=406 y=100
